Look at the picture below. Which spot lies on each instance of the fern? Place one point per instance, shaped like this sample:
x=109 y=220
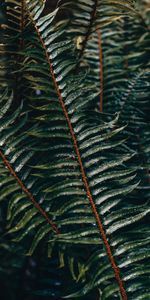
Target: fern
x=75 y=146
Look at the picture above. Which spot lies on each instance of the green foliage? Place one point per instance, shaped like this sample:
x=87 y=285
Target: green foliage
x=74 y=150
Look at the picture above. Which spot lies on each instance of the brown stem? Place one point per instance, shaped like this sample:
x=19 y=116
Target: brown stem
x=93 y=13
x=89 y=195
x=30 y=196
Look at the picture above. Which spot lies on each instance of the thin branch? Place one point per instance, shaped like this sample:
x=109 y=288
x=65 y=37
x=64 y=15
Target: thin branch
x=93 y=13
x=26 y=191
x=89 y=195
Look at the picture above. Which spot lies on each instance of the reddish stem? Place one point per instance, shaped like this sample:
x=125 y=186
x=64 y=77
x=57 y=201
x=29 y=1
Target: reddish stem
x=93 y=13
x=89 y=195
x=30 y=196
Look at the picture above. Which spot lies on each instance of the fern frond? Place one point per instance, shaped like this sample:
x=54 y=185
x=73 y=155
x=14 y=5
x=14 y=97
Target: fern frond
x=57 y=82
x=19 y=159
x=68 y=171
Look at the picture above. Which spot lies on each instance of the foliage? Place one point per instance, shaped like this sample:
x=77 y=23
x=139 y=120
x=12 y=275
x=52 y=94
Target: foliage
x=74 y=150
